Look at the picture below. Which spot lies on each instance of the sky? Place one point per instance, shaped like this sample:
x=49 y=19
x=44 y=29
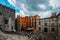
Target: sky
x=43 y=8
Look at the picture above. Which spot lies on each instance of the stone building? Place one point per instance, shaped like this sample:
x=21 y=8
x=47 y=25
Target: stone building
x=49 y=26
x=7 y=18
x=59 y=24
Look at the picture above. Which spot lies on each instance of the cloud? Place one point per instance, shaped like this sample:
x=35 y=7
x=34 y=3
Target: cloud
x=43 y=14
x=54 y=3
x=29 y=4
x=42 y=6
x=13 y=2
x=36 y=7
x=46 y=14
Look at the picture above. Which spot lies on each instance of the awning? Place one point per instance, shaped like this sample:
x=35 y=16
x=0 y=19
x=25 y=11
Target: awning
x=29 y=28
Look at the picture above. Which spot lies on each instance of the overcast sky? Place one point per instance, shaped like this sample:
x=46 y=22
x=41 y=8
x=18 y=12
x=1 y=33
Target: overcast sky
x=43 y=8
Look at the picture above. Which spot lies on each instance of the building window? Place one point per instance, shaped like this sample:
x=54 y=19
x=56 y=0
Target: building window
x=9 y=16
x=12 y=28
x=0 y=27
x=1 y=9
x=39 y=39
x=39 y=23
x=45 y=24
x=5 y=21
x=53 y=29
x=39 y=28
x=19 y=21
x=52 y=24
x=5 y=10
x=45 y=30
x=22 y=18
x=59 y=25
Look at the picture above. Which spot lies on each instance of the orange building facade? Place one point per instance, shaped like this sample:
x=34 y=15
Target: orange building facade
x=24 y=22
x=28 y=22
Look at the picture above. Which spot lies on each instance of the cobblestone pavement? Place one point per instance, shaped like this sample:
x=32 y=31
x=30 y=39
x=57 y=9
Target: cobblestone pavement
x=17 y=37
x=4 y=36
x=23 y=38
x=31 y=36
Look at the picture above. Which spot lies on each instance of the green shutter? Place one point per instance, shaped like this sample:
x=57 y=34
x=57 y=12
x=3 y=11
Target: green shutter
x=0 y=9
x=0 y=13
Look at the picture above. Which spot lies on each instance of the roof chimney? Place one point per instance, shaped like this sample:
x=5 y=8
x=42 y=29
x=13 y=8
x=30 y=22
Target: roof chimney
x=53 y=15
